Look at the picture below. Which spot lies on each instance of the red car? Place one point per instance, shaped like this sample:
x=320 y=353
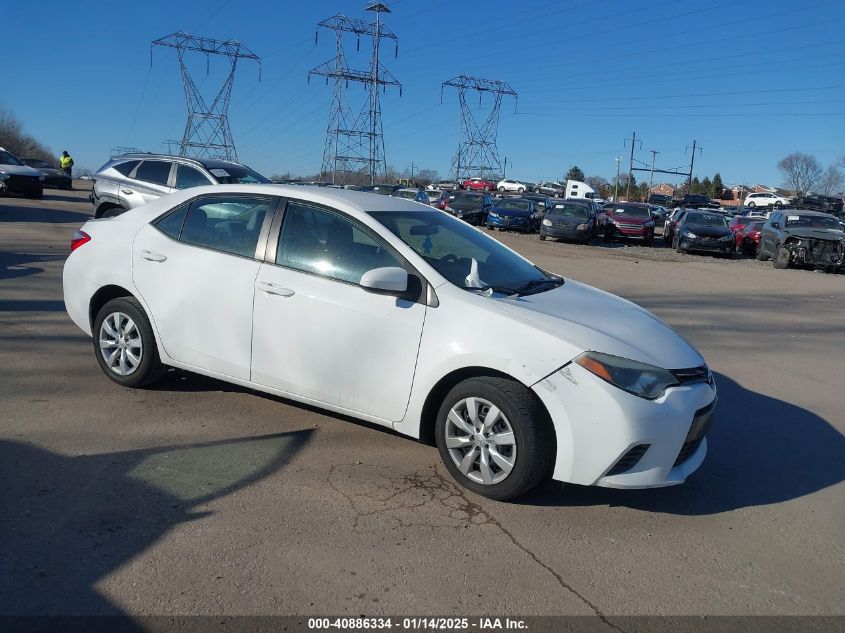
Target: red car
x=739 y=222
x=748 y=237
x=631 y=220
x=478 y=184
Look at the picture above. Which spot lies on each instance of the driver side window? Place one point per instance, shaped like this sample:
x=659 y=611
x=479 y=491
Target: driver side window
x=321 y=242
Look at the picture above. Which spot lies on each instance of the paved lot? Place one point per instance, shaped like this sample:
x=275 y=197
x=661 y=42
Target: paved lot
x=202 y=498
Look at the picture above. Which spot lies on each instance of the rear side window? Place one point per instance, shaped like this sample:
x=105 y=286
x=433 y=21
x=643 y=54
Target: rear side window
x=154 y=171
x=187 y=177
x=127 y=167
x=230 y=224
x=171 y=224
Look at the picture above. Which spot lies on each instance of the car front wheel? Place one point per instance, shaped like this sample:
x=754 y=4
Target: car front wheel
x=124 y=344
x=780 y=260
x=494 y=437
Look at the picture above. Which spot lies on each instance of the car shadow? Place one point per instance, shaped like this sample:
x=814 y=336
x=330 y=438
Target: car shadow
x=66 y=522
x=761 y=451
x=13 y=265
x=53 y=197
x=31 y=305
x=20 y=213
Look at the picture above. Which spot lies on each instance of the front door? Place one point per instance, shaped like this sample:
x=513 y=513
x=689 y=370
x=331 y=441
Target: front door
x=317 y=333
x=196 y=269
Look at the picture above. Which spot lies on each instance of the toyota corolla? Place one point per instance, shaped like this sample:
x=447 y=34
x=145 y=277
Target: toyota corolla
x=401 y=315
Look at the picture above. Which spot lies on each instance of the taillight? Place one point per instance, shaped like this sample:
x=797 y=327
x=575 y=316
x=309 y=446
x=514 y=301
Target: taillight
x=79 y=238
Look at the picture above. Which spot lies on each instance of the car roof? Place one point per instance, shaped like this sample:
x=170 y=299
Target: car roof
x=808 y=213
x=208 y=163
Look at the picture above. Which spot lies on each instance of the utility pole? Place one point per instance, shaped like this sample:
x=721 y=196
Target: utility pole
x=355 y=142
x=207 y=133
x=634 y=141
x=505 y=168
x=478 y=154
x=654 y=154
x=691 y=165
x=618 y=160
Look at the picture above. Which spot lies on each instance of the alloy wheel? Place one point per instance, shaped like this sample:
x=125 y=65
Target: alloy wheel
x=480 y=440
x=120 y=344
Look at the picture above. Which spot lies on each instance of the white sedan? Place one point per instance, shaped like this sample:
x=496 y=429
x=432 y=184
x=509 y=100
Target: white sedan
x=401 y=315
x=510 y=185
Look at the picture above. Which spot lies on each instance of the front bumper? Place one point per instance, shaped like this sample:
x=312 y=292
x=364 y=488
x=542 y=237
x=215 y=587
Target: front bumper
x=506 y=222
x=598 y=426
x=632 y=233
x=565 y=232
x=713 y=245
x=22 y=184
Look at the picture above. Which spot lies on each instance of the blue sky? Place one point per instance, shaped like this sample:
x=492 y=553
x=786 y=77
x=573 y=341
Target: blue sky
x=750 y=80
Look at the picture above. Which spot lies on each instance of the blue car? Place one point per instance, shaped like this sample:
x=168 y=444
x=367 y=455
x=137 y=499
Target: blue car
x=514 y=213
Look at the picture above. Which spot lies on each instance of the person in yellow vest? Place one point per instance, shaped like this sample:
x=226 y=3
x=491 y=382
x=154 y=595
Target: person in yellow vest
x=66 y=163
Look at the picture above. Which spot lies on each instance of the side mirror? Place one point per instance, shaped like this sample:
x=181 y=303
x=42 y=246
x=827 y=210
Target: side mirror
x=388 y=279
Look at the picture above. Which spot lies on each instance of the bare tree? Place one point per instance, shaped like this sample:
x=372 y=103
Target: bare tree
x=16 y=141
x=596 y=182
x=831 y=181
x=801 y=172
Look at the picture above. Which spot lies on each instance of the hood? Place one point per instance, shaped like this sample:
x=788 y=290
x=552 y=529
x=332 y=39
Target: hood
x=567 y=219
x=466 y=206
x=627 y=219
x=817 y=234
x=511 y=213
x=20 y=170
x=708 y=231
x=598 y=321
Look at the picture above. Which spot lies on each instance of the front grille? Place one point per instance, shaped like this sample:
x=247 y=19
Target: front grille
x=701 y=422
x=694 y=375
x=629 y=460
x=22 y=182
x=687 y=450
x=622 y=225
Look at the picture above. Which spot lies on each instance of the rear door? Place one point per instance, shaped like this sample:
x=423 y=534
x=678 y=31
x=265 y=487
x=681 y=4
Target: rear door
x=195 y=268
x=147 y=182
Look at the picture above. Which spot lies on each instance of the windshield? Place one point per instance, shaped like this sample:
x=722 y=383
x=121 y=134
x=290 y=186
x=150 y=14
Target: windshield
x=514 y=205
x=467 y=199
x=633 y=212
x=237 y=175
x=812 y=222
x=569 y=210
x=451 y=246
x=408 y=195
x=7 y=159
x=706 y=219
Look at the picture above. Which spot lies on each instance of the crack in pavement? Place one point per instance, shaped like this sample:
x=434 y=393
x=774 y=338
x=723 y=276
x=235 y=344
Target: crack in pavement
x=418 y=500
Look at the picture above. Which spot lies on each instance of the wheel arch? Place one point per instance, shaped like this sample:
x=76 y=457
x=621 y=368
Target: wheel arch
x=428 y=413
x=103 y=296
x=107 y=206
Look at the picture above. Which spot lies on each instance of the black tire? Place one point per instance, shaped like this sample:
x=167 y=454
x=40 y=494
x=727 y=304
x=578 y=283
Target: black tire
x=520 y=190
x=761 y=256
x=501 y=189
x=542 y=237
x=149 y=369
x=649 y=241
x=780 y=260
x=35 y=195
x=533 y=435
x=112 y=212
x=677 y=244
x=751 y=205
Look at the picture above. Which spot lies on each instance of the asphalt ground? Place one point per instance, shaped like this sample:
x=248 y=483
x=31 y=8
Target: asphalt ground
x=198 y=497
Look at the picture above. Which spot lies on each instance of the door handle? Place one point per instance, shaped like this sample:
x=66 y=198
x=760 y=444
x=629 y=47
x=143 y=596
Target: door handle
x=127 y=192
x=273 y=289
x=153 y=257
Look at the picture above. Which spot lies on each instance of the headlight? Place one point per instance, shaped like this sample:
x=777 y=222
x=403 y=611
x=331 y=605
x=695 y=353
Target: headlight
x=547 y=222
x=41 y=177
x=688 y=234
x=448 y=208
x=582 y=227
x=726 y=238
x=648 y=224
x=3 y=175
x=493 y=215
x=632 y=376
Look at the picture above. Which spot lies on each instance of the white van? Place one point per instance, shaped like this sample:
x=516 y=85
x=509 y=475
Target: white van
x=577 y=189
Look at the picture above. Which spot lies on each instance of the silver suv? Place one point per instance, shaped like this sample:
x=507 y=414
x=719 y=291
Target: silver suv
x=130 y=180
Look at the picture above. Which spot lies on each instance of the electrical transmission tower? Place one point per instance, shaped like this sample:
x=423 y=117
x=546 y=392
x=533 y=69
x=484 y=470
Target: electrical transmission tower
x=207 y=133
x=478 y=154
x=354 y=141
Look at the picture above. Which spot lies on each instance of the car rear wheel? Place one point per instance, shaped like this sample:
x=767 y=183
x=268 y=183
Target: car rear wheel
x=494 y=437
x=751 y=205
x=501 y=188
x=780 y=261
x=520 y=190
x=124 y=344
